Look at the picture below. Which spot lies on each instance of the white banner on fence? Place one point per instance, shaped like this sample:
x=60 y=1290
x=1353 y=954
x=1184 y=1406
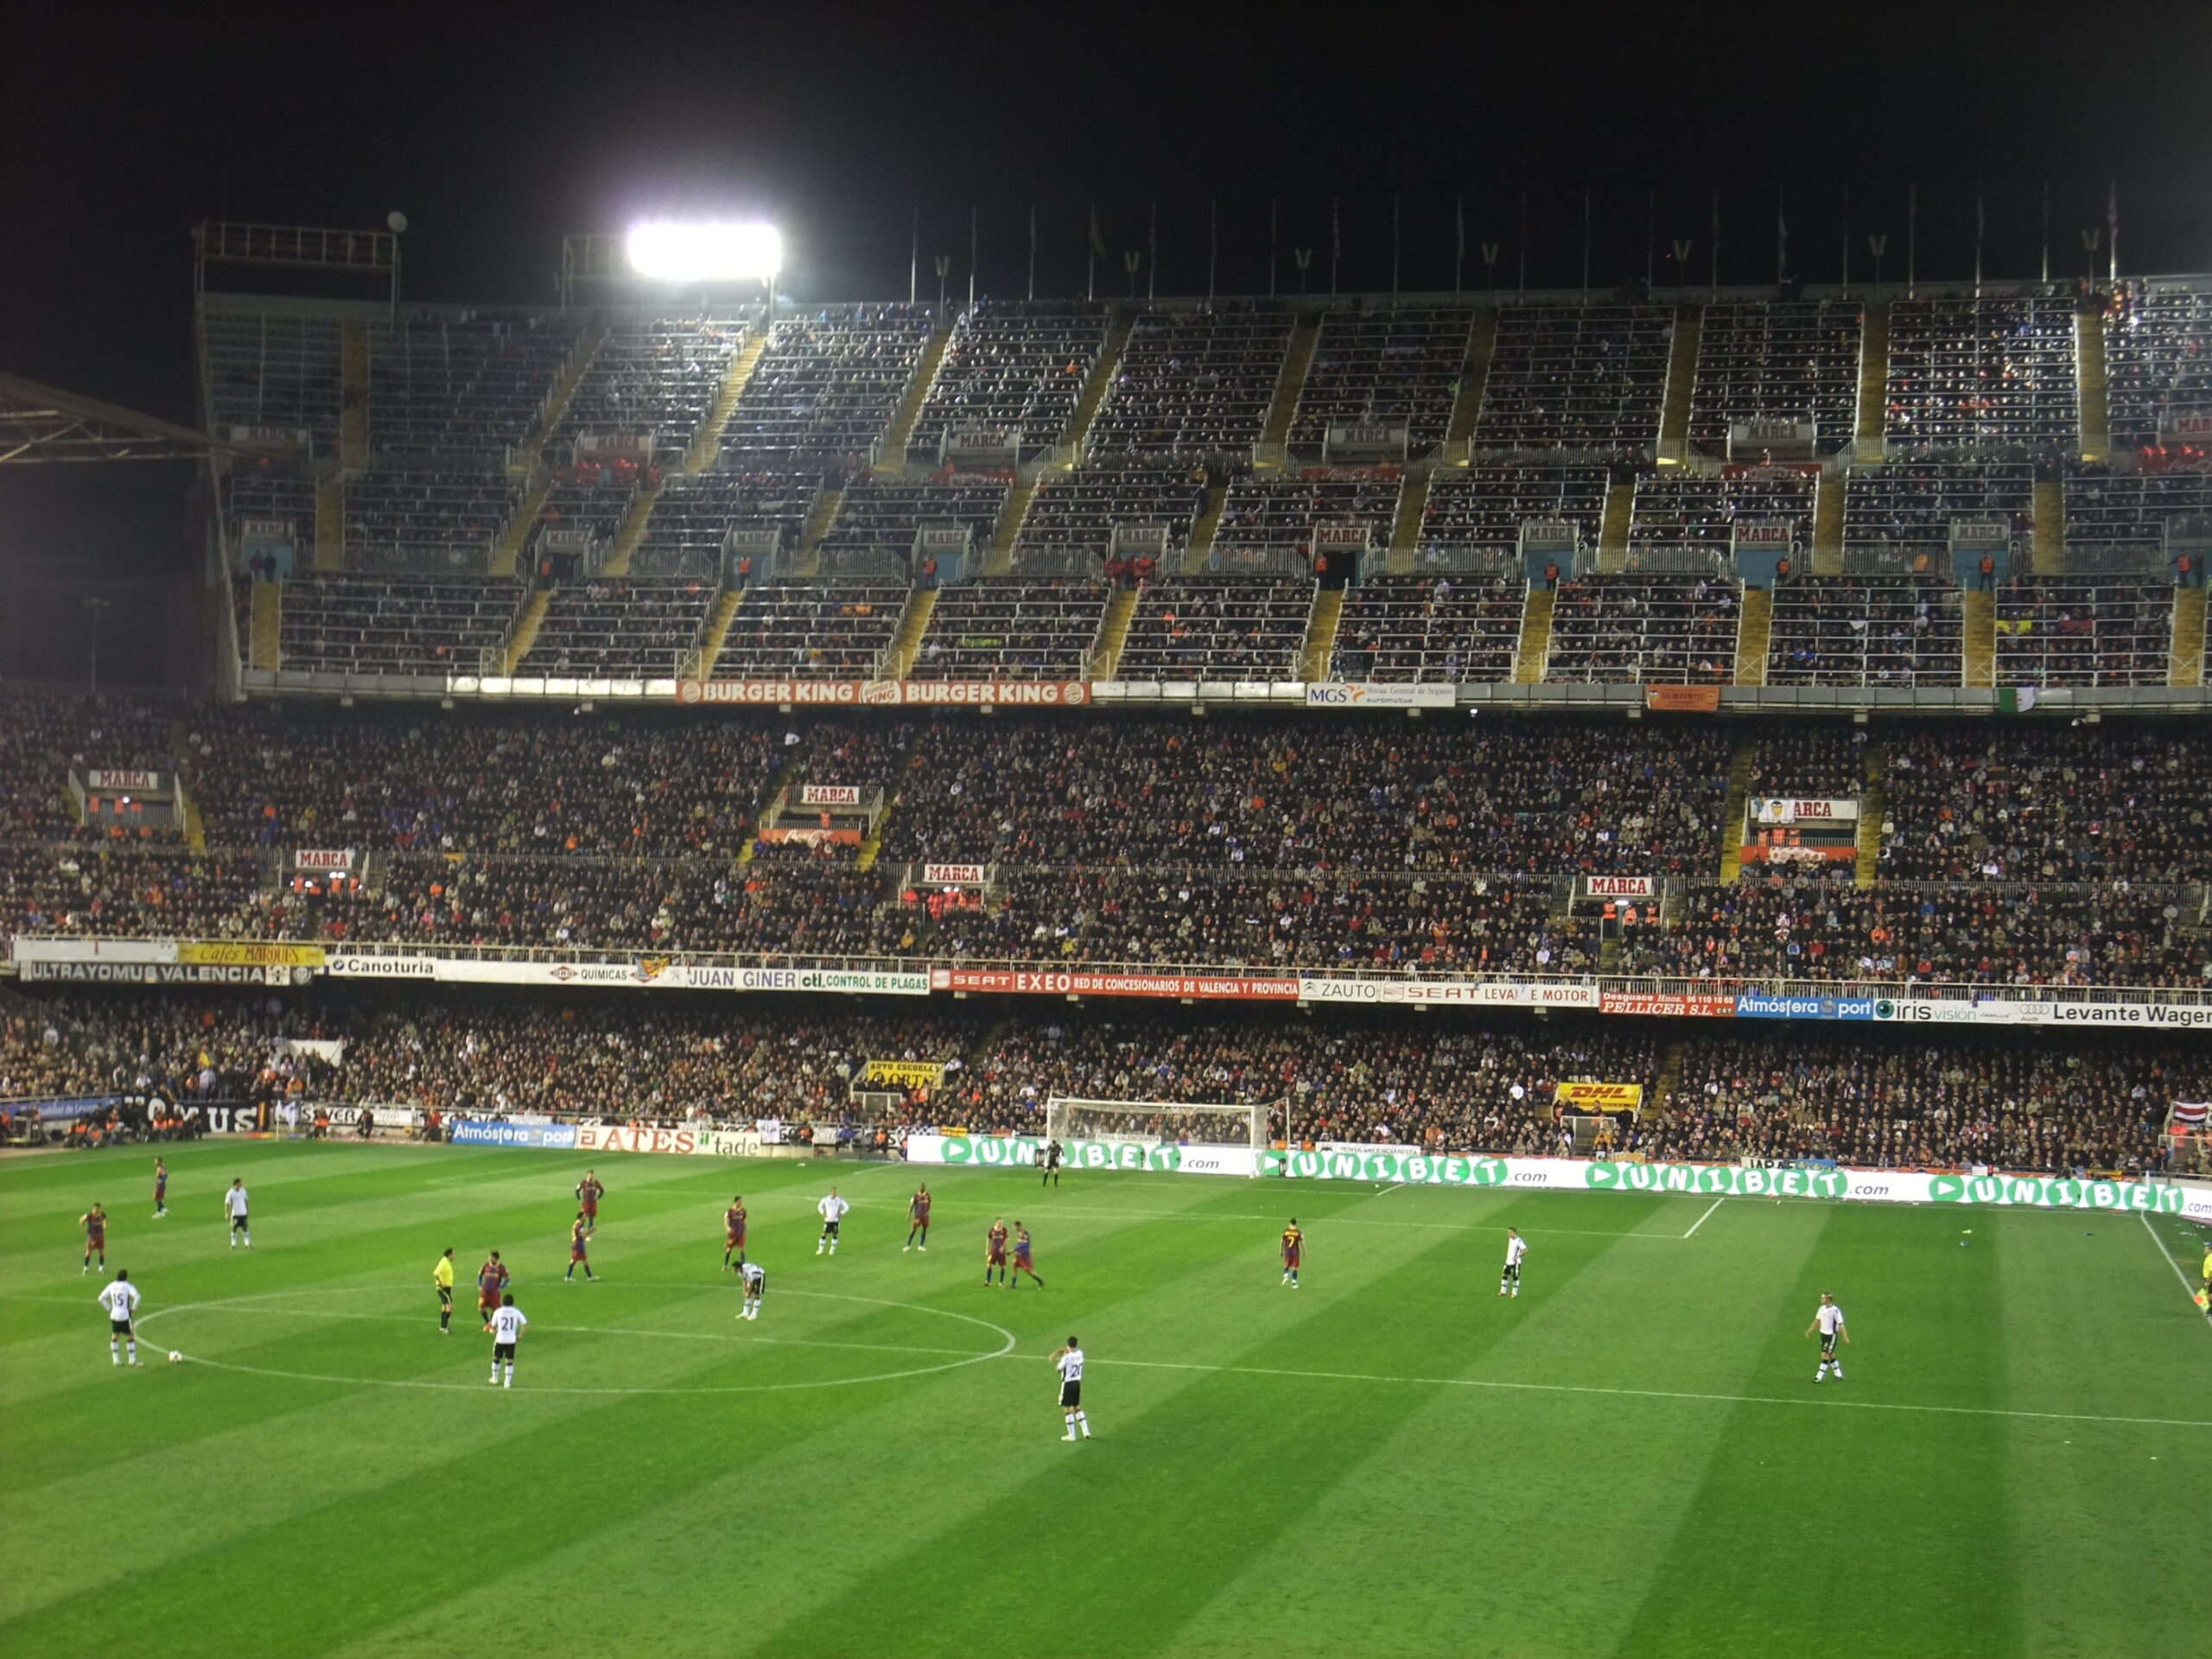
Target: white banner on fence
x=641 y=973
x=1463 y=993
x=1362 y=694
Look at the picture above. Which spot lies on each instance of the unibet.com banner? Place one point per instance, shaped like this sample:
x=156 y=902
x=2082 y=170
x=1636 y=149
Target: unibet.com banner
x=1025 y=1151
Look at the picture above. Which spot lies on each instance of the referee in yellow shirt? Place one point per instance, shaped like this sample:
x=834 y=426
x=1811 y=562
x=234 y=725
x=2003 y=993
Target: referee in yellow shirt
x=441 y=1275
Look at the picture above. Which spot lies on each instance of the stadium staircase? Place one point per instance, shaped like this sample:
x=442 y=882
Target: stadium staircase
x=1669 y=1080
x=1273 y=449
x=1467 y=402
x=330 y=525
x=1754 y=629
x=267 y=626
x=1731 y=815
x=707 y=441
x=1406 y=525
x=2048 y=550
x=716 y=632
x=871 y=846
x=1873 y=384
x=1873 y=807
x=1978 y=606
x=998 y=560
x=1533 y=654
x=526 y=627
x=1320 y=643
x=1113 y=634
x=786 y=774
x=1096 y=386
x=906 y=644
x=506 y=552
x=1198 y=557
x=2090 y=381
x=1681 y=378
x=195 y=827
x=891 y=450
x=819 y=519
x=2185 y=663
x=353 y=398
x=627 y=538
x=1827 y=525
x=1612 y=535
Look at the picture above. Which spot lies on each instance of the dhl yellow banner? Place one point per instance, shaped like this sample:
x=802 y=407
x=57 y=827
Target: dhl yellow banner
x=922 y=1073
x=242 y=953
x=1602 y=1097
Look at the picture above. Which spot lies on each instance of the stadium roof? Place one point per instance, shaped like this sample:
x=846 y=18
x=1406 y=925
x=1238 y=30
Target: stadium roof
x=39 y=422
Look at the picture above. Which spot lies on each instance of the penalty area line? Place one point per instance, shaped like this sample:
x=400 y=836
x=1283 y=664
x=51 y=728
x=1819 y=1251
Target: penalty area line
x=1706 y=1217
x=1826 y=1402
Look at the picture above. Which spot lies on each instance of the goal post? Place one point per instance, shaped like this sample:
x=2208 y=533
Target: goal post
x=1153 y=1124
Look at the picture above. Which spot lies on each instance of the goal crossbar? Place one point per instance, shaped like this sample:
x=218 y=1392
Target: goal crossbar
x=1158 y=1122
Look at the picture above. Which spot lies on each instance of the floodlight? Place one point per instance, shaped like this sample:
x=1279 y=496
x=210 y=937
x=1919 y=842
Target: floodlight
x=705 y=253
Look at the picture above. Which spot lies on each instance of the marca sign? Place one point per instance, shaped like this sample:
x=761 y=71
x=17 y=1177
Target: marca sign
x=828 y=795
x=1769 y=810
x=1619 y=887
x=109 y=778
x=330 y=858
x=952 y=875
x=2186 y=426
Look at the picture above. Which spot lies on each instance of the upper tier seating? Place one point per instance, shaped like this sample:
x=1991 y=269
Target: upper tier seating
x=1689 y=514
x=1194 y=384
x=621 y=627
x=2084 y=631
x=1429 y=629
x=275 y=372
x=1781 y=360
x=1012 y=631
x=2120 y=518
x=383 y=625
x=1899 y=516
x=589 y=500
x=659 y=377
x=1071 y=522
x=694 y=514
x=1269 y=523
x=2157 y=357
x=1645 y=629
x=823 y=630
x=826 y=387
x=1587 y=377
x=874 y=535
x=1484 y=507
x=1391 y=368
x=1988 y=373
x=466 y=385
x=250 y=494
x=1019 y=368
x=1217 y=630
x=1865 y=630
x=428 y=520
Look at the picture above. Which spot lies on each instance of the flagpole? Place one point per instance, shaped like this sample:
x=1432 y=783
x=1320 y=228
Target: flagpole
x=1459 y=242
x=1395 y=202
x=2046 y=230
x=971 y=256
x=1213 y=243
x=2112 y=234
x=1716 y=241
x=914 y=260
x=1524 y=244
x=1335 y=240
x=1090 y=258
x=1846 y=235
x=1585 y=247
x=1151 y=257
x=1032 y=250
x=1781 y=235
x=1911 y=239
x=1274 y=207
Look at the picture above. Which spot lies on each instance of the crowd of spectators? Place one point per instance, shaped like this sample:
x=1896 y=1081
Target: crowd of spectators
x=1193 y=385
x=1010 y=368
x=1645 y=629
x=1401 y=367
x=1877 y=631
x=1587 y=378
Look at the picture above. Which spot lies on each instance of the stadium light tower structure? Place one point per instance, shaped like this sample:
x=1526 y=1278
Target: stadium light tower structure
x=678 y=253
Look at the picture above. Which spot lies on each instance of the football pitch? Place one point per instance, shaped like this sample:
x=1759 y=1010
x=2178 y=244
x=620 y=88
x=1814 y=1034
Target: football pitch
x=1630 y=1457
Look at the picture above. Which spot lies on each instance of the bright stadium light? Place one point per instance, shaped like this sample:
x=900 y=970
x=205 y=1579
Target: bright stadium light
x=670 y=251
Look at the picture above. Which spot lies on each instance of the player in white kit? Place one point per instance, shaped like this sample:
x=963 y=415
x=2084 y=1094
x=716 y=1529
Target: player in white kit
x=120 y=1299
x=1508 y=1282
x=234 y=1207
x=756 y=1287
x=832 y=1209
x=508 y=1323
x=1827 y=1320
x=1068 y=1362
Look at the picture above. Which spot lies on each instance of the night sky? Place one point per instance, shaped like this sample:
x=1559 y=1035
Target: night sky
x=496 y=129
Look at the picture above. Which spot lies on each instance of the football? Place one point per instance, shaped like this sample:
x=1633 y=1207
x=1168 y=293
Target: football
x=175 y=1358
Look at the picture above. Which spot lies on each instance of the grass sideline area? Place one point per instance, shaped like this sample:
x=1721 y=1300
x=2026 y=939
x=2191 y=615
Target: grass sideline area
x=1630 y=1459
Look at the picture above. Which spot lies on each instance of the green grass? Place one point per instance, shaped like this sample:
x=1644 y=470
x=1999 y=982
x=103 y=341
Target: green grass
x=1630 y=1459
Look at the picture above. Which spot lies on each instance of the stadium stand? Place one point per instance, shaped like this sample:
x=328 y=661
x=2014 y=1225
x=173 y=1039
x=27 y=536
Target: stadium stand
x=469 y=385
x=621 y=627
x=1231 y=629
x=874 y=532
x=1690 y=515
x=385 y=625
x=1268 y=524
x=833 y=629
x=1386 y=368
x=2118 y=519
x=1483 y=508
x=657 y=377
x=826 y=387
x=1193 y=385
x=1011 y=368
x=1898 y=517
x=2084 y=631
x=1784 y=359
x=2157 y=357
x=1429 y=630
x=1586 y=378
x=267 y=370
x=428 y=521
x=272 y=497
x=694 y=515
x=1011 y=631
x=1865 y=630
x=1071 y=522
x=1993 y=375
x=1646 y=630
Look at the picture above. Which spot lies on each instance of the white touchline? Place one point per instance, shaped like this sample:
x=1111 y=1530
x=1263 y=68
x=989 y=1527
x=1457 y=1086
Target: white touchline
x=1651 y=1393
x=1701 y=1220
x=2169 y=1254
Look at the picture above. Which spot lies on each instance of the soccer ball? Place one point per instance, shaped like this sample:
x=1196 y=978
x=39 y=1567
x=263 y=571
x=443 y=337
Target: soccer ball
x=175 y=1358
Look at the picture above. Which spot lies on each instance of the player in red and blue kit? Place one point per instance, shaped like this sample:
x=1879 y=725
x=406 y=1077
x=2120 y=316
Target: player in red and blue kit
x=491 y=1280
x=161 y=1189
x=589 y=1192
x=578 y=1256
x=734 y=1219
x=918 y=1210
x=1022 y=1263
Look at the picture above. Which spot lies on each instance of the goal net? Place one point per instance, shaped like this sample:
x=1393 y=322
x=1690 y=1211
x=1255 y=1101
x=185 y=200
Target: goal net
x=1155 y=1123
